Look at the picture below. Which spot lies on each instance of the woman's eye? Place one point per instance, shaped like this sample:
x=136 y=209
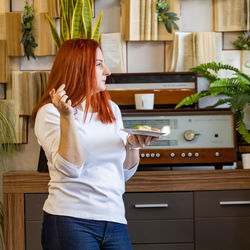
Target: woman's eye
x=98 y=64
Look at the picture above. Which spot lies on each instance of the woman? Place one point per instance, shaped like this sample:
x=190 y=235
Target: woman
x=89 y=157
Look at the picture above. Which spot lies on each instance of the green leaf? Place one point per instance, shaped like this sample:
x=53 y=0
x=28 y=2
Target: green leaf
x=70 y=14
x=243 y=77
x=171 y=14
x=239 y=101
x=175 y=18
x=64 y=29
x=176 y=27
x=97 y=28
x=77 y=20
x=168 y=26
x=87 y=17
x=55 y=35
x=194 y=98
x=220 y=102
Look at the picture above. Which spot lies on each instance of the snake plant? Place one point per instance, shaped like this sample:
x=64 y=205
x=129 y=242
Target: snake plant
x=75 y=21
x=234 y=91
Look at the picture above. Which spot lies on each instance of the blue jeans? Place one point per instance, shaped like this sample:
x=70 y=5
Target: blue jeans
x=69 y=233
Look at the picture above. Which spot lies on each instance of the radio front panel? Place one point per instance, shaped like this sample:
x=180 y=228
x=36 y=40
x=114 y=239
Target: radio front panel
x=193 y=137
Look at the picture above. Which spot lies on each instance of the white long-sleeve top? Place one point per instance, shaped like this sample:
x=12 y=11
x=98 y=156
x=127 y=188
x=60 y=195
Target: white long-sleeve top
x=94 y=190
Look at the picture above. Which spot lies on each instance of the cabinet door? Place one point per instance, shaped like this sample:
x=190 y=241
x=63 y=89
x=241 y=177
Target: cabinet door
x=160 y=217
x=33 y=220
x=230 y=233
x=222 y=203
x=222 y=220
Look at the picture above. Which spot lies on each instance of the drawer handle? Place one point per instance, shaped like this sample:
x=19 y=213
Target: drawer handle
x=161 y=205
x=228 y=203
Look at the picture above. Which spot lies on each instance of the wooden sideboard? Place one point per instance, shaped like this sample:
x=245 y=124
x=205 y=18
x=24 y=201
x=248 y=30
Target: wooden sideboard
x=17 y=184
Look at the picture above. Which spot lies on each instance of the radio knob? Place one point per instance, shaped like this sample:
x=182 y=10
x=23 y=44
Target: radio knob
x=172 y=154
x=147 y=155
x=190 y=154
x=183 y=155
x=189 y=135
x=157 y=155
x=217 y=154
x=196 y=154
x=153 y=155
x=142 y=155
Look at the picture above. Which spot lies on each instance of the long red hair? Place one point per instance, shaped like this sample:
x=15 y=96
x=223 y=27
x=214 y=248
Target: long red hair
x=75 y=66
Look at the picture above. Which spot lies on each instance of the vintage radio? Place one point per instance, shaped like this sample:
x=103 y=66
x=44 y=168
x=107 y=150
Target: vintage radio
x=169 y=88
x=196 y=136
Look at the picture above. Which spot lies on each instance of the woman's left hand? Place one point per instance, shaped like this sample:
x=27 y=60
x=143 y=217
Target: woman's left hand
x=140 y=141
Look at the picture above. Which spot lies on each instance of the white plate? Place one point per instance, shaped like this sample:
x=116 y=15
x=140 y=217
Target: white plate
x=143 y=132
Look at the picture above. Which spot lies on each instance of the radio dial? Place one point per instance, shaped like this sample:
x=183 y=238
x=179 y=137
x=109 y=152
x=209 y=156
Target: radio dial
x=142 y=155
x=157 y=155
x=189 y=135
x=152 y=155
x=147 y=155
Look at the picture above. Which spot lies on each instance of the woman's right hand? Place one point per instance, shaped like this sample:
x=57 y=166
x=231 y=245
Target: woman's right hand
x=61 y=101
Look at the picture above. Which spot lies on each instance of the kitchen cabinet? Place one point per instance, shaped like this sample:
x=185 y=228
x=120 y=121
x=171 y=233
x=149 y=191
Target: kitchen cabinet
x=186 y=212
x=222 y=220
x=160 y=218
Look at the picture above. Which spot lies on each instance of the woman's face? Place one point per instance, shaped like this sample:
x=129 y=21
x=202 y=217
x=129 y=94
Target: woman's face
x=102 y=71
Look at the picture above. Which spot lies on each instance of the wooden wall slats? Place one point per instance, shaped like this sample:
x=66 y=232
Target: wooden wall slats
x=53 y=8
x=2 y=27
x=43 y=37
x=14 y=34
x=4 y=62
x=4 y=6
x=40 y=6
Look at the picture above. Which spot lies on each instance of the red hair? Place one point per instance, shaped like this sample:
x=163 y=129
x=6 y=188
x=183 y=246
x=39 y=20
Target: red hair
x=75 y=66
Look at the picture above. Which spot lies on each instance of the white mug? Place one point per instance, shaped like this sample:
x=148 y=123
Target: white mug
x=246 y=160
x=144 y=101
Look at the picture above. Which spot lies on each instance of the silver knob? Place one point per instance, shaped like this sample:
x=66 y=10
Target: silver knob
x=217 y=154
x=152 y=155
x=142 y=155
x=157 y=155
x=147 y=155
x=183 y=155
x=172 y=154
x=189 y=135
x=190 y=154
x=196 y=154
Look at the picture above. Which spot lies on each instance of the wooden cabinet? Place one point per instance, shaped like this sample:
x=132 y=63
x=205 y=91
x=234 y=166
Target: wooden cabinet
x=175 y=210
x=160 y=218
x=201 y=220
x=222 y=220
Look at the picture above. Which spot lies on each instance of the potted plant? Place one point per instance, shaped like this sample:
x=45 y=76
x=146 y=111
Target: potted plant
x=7 y=140
x=234 y=91
x=75 y=21
x=28 y=39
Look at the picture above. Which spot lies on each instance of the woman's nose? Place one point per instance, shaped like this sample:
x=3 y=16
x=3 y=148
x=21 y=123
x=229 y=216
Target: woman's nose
x=106 y=71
